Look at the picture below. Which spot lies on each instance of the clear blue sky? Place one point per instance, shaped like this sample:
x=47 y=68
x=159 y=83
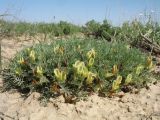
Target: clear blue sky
x=79 y=11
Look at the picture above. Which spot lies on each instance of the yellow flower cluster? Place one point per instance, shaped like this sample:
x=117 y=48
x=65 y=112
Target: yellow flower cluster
x=116 y=83
x=82 y=70
x=128 y=79
x=90 y=77
x=91 y=62
x=32 y=55
x=59 y=50
x=60 y=75
x=113 y=73
x=115 y=69
x=21 y=60
x=39 y=71
x=18 y=71
x=91 y=56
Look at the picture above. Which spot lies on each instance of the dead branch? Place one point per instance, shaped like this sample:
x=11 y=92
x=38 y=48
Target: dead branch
x=148 y=43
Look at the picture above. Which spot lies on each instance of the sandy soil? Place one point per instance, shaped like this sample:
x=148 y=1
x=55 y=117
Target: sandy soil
x=11 y=46
x=144 y=105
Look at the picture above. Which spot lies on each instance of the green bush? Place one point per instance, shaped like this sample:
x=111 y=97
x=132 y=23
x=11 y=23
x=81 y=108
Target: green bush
x=77 y=67
x=92 y=26
x=104 y=30
x=6 y=28
x=32 y=29
x=131 y=32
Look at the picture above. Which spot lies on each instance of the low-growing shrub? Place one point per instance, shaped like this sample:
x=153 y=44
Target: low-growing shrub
x=77 y=67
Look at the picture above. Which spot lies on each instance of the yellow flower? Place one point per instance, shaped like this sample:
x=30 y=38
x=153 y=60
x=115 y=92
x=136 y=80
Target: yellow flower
x=79 y=47
x=76 y=64
x=91 y=54
x=90 y=77
x=32 y=55
x=85 y=72
x=60 y=75
x=91 y=62
x=61 y=50
x=108 y=75
x=139 y=69
x=81 y=69
x=116 y=83
x=58 y=50
x=115 y=69
x=128 y=79
x=18 y=71
x=21 y=60
x=39 y=71
x=149 y=62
